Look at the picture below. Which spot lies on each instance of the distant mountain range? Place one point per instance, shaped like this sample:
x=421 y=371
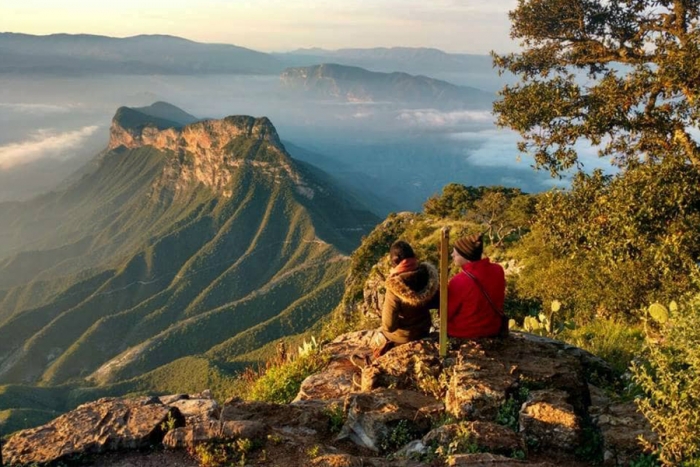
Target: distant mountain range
x=409 y=59
x=354 y=84
x=145 y=54
x=184 y=240
x=161 y=54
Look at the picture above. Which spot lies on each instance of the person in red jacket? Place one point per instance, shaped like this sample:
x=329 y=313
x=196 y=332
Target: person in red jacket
x=469 y=313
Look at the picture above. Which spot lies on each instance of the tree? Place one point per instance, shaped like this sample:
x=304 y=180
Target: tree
x=624 y=75
x=614 y=244
x=502 y=214
x=454 y=202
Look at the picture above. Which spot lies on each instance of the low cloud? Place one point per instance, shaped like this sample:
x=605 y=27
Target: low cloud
x=497 y=148
x=436 y=119
x=43 y=144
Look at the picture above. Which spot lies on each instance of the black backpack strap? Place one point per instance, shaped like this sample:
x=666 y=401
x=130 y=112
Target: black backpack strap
x=478 y=284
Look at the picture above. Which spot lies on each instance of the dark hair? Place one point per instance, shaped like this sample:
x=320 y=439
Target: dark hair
x=400 y=251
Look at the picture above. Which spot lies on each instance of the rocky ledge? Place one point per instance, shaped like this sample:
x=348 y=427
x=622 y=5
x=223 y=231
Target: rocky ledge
x=522 y=401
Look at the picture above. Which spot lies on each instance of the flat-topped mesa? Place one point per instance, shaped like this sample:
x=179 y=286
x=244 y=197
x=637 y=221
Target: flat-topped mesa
x=206 y=151
x=132 y=129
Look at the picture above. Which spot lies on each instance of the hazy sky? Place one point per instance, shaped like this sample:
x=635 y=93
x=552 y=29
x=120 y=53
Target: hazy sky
x=474 y=26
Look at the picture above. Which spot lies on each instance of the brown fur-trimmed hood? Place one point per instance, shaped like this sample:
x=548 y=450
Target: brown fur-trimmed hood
x=402 y=285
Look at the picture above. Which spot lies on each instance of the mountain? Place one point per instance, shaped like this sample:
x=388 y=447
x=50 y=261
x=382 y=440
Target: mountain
x=184 y=248
x=165 y=111
x=354 y=84
x=60 y=54
x=408 y=59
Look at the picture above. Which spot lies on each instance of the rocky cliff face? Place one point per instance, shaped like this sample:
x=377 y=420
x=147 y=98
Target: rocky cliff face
x=523 y=401
x=208 y=151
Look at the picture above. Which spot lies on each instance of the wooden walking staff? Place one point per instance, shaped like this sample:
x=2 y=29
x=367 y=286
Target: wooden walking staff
x=444 y=265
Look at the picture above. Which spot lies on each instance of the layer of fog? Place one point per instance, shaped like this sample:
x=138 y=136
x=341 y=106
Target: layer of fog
x=49 y=127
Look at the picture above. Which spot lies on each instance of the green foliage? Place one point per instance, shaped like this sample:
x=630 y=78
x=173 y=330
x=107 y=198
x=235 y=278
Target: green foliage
x=427 y=381
x=639 y=99
x=281 y=383
x=645 y=460
x=670 y=380
x=658 y=313
x=612 y=245
x=400 y=434
x=336 y=417
x=372 y=249
x=591 y=447
x=223 y=454
x=462 y=443
x=314 y=451
x=169 y=424
x=502 y=213
x=509 y=412
x=616 y=342
x=13 y=420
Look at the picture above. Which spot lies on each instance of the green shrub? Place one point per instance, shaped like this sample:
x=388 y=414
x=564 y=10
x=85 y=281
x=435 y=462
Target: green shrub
x=400 y=435
x=670 y=380
x=280 y=383
x=614 y=341
x=220 y=454
x=336 y=417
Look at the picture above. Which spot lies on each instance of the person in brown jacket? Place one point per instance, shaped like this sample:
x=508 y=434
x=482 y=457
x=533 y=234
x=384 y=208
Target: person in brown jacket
x=410 y=289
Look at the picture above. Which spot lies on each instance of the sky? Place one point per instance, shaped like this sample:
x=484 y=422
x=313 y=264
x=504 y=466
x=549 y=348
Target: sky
x=468 y=26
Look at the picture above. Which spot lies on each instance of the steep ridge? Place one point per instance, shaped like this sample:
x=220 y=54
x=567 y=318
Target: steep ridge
x=188 y=239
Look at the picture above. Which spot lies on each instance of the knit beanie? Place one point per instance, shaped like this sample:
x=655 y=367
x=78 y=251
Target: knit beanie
x=470 y=247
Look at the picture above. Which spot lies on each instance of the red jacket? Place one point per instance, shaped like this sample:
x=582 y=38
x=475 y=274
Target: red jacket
x=469 y=314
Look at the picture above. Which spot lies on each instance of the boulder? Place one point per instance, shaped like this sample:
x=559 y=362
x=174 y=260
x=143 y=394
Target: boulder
x=489 y=460
x=478 y=384
x=621 y=426
x=335 y=381
x=372 y=418
x=415 y=365
x=484 y=436
x=488 y=371
x=548 y=419
x=313 y=415
x=196 y=410
x=213 y=430
x=97 y=427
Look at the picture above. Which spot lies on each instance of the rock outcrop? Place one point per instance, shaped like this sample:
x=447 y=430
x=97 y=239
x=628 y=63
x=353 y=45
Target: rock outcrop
x=207 y=151
x=97 y=427
x=524 y=401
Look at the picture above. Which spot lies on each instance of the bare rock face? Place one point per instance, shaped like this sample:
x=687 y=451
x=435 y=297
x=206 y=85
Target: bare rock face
x=550 y=420
x=213 y=430
x=311 y=415
x=371 y=417
x=489 y=460
x=478 y=384
x=486 y=436
x=195 y=408
x=202 y=152
x=414 y=365
x=336 y=380
x=488 y=371
x=97 y=427
x=621 y=426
